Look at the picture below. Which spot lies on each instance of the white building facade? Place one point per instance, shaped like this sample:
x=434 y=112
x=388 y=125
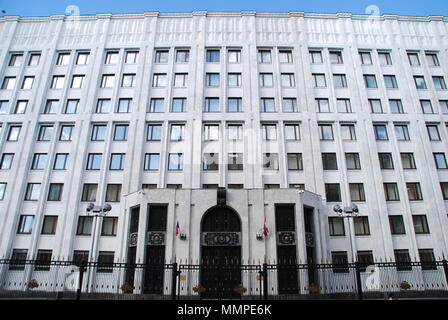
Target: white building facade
x=167 y=117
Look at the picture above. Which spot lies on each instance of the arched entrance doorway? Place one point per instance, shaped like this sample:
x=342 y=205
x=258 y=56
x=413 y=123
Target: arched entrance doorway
x=220 y=253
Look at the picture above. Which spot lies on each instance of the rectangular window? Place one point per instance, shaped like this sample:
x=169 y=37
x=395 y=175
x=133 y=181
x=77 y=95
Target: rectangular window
x=161 y=56
x=34 y=59
x=111 y=57
x=113 y=193
x=80 y=257
x=212 y=55
x=339 y=261
x=2 y=190
x=413 y=59
x=414 y=191
x=269 y=131
x=63 y=59
x=348 y=132
x=329 y=161
x=152 y=161
x=66 y=133
x=336 y=57
x=234 y=132
x=432 y=59
x=180 y=80
x=177 y=132
x=105 y=262
x=352 y=161
x=285 y=56
x=366 y=58
x=77 y=81
x=420 y=224
x=121 y=132
x=117 y=161
x=18 y=259
x=6 y=161
x=444 y=187
x=52 y=107
x=234 y=79
x=94 y=161
x=39 y=161
x=32 y=191
x=385 y=58
x=443 y=106
x=344 y=105
x=179 y=105
x=89 y=192
x=103 y=106
x=159 y=80
x=211 y=132
x=340 y=81
x=109 y=226
x=266 y=80
x=98 y=132
x=319 y=80
x=403 y=260
x=326 y=132
x=402 y=132
x=396 y=106
x=234 y=56
x=433 y=132
x=72 y=106
x=157 y=105
x=440 y=161
x=60 y=161
x=235 y=161
x=264 y=56
x=210 y=162
x=333 y=192
x=396 y=225
x=43 y=260
x=365 y=259
x=124 y=105
x=407 y=160
x=84 y=226
x=439 y=83
x=175 y=161
x=154 y=132
x=370 y=81
x=361 y=226
x=390 y=81
x=426 y=106
x=316 y=57
x=27 y=83
x=420 y=82
x=295 y=161
x=322 y=105
x=128 y=80
x=107 y=81
x=4 y=106
x=212 y=79
x=83 y=58
x=386 y=161
x=357 y=192
x=57 y=82
x=211 y=105
x=235 y=105
x=21 y=106
x=292 y=132
x=55 y=192
x=25 y=224
x=288 y=80
x=182 y=56
x=267 y=105
x=336 y=225
x=270 y=161
x=49 y=225
x=391 y=192
x=9 y=83
x=380 y=132
x=427 y=259
x=375 y=106
x=15 y=60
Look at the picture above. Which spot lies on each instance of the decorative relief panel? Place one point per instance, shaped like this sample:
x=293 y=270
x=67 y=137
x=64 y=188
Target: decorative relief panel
x=156 y=238
x=221 y=238
x=286 y=238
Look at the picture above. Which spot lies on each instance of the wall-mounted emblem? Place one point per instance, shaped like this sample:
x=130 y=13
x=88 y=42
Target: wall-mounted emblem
x=133 y=239
x=221 y=238
x=156 y=238
x=286 y=238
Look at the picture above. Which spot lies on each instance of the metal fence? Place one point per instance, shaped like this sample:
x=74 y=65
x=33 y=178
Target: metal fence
x=31 y=279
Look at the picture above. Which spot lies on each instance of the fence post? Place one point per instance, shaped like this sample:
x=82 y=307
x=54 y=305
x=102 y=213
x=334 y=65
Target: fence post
x=174 y=281
x=358 y=280
x=445 y=268
x=265 y=281
x=81 y=276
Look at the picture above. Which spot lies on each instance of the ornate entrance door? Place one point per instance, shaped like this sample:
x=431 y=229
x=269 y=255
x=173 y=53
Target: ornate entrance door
x=221 y=253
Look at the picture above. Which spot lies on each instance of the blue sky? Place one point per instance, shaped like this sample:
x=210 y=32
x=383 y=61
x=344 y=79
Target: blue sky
x=48 y=7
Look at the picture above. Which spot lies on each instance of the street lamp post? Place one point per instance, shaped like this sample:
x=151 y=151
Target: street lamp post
x=349 y=213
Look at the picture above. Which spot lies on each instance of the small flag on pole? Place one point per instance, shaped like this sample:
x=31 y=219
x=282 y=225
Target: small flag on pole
x=265 y=228
x=177 y=228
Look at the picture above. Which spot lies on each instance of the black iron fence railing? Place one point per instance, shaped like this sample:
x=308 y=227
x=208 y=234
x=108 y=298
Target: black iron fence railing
x=31 y=279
